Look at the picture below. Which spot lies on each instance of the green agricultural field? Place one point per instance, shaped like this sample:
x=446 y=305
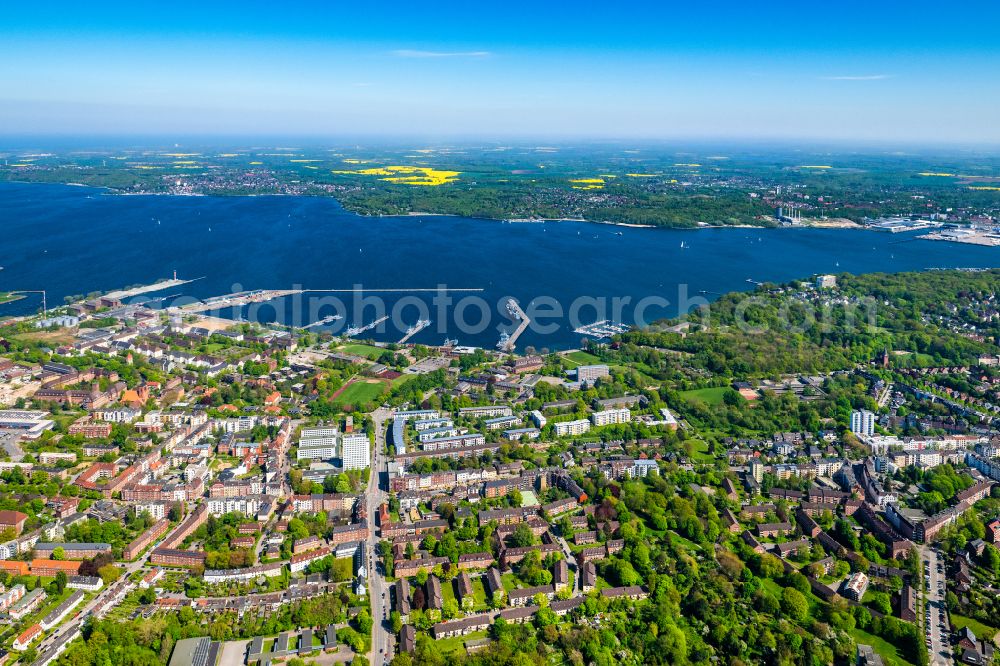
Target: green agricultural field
x=708 y=396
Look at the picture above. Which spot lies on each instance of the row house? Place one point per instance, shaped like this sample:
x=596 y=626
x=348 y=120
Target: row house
x=475 y=560
x=134 y=549
x=771 y=530
x=524 y=596
x=407 y=568
x=302 y=560
x=509 y=556
x=172 y=557
x=346 y=533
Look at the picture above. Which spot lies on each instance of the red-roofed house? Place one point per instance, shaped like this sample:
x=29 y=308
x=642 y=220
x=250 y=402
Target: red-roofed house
x=12 y=519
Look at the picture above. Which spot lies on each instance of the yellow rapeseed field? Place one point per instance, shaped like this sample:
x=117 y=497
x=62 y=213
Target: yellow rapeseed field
x=409 y=175
x=587 y=183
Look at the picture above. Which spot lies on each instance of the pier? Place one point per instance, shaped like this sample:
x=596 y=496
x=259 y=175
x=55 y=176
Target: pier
x=323 y=322
x=122 y=294
x=508 y=342
x=358 y=330
x=413 y=330
x=236 y=300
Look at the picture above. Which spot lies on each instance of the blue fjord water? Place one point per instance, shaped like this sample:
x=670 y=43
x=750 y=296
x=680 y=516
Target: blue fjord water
x=74 y=240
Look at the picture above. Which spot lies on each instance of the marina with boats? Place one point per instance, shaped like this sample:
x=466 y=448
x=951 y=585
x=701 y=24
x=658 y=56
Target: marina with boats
x=603 y=329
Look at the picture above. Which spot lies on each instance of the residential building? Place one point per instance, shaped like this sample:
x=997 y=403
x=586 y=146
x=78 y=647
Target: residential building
x=13 y=520
x=577 y=427
x=610 y=416
x=356 y=451
x=856 y=586
x=863 y=423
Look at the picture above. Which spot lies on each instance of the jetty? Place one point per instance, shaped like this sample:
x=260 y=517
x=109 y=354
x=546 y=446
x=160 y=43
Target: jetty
x=508 y=341
x=358 y=330
x=236 y=300
x=122 y=294
x=413 y=330
x=324 y=321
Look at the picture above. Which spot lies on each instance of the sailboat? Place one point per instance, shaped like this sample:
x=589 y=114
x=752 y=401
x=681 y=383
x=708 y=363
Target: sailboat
x=684 y=245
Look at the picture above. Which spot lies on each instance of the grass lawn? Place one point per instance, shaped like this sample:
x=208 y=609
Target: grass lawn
x=699 y=451
x=446 y=645
x=981 y=630
x=448 y=591
x=358 y=349
x=47 y=607
x=578 y=358
x=690 y=545
x=890 y=655
x=479 y=593
x=708 y=396
x=360 y=392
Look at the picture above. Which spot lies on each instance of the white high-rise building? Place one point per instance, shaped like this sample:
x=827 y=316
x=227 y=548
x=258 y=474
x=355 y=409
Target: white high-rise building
x=609 y=416
x=577 y=427
x=863 y=423
x=357 y=452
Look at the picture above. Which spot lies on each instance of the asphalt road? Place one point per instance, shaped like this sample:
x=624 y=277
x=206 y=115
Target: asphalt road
x=50 y=647
x=935 y=615
x=378 y=590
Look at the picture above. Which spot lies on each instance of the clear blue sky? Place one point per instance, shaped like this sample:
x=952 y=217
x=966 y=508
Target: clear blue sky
x=916 y=71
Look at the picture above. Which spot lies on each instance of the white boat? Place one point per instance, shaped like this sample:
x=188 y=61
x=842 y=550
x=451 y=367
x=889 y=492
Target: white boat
x=512 y=310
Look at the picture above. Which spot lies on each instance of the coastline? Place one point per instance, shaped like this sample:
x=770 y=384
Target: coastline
x=107 y=191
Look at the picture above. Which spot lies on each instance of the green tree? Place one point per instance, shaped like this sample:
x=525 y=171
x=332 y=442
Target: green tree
x=794 y=604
